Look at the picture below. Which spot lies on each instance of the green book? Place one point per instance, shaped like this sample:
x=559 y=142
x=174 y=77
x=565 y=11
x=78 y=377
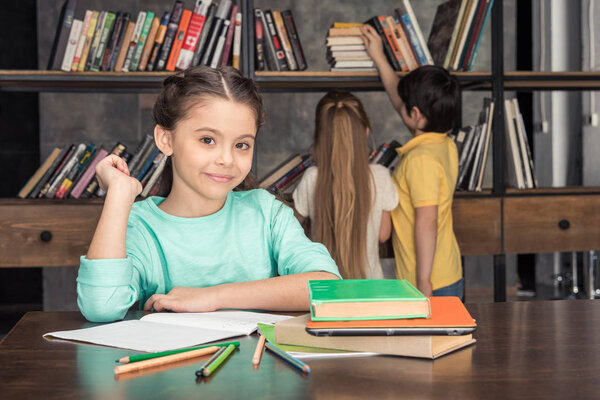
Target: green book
x=139 y=47
x=366 y=299
x=109 y=20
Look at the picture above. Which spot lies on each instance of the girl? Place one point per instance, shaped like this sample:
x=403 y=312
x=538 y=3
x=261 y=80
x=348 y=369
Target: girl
x=347 y=199
x=204 y=246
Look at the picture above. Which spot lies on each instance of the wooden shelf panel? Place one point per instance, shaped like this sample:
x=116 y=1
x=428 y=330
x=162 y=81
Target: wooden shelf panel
x=538 y=80
x=550 y=191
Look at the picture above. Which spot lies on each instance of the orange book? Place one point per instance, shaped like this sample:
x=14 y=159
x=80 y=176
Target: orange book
x=149 y=44
x=186 y=16
x=446 y=312
x=123 y=51
x=387 y=32
x=410 y=59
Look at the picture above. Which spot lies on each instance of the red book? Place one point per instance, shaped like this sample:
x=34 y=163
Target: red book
x=191 y=41
x=229 y=39
x=186 y=16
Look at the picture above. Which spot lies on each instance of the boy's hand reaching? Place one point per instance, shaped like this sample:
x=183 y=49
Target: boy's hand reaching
x=184 y=299
x=373 y=43
x=112 y=171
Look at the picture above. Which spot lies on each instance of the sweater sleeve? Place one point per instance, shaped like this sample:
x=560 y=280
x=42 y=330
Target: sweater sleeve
x=107 y=288
x=293 y=252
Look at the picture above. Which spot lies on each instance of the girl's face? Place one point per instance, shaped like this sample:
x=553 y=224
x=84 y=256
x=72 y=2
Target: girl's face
x=212 y=149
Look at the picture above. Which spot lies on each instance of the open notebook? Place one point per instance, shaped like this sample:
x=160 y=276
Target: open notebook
x=169 y=331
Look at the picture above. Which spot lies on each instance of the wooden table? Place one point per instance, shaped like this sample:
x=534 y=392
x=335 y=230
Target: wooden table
x=524 y=350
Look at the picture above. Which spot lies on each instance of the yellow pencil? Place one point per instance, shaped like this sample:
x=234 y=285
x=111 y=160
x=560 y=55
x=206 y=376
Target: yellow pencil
x=135 y=366
x=259 y=350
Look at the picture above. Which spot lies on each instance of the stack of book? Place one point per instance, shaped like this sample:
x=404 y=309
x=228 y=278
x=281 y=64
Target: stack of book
x=286 y=175
x=457 y=29
x=346 y=49
x=277 y=44
x=70 y=172
x=379 y=316
x=210 y=34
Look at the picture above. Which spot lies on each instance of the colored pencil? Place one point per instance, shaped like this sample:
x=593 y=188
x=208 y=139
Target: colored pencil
x=216 y=361
x=287 y=357
x=259 y=350
x=142 y=357
x=135 y=366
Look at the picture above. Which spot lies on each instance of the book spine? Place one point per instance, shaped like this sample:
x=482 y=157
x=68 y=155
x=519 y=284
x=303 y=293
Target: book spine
x=220 y=17
x=404 y=20
x=71 y=176
x=290 y=27
x=88 y=174
x=417 y=28
x=404 y=51
x=139 y=152
x=120 y=41
x=237 y=41
x=81 y=41
x=154 y=164
x=88 y=40
x=62 y=35
x=95 y=41
x=205 y=34
x=39 y=174
x=112 y=43
x=106 y=31
x=389 y=53
x=411 y=57
x=125 y=43
x=220 y=45
x=149 y=159
x=460 y=44
x=150 y=40
x=170 y=35
x=155 y=176
x=191 y=40
x=158 y=41
x=455 y=33
x=72 y=162
x=139 y=47
x=137 y=31
x=229 y=37
x=71 y=45
x=276 y=48
x=284 y=180
x=259 y=40
x=477 y=19
x=388 y=36
x=186 y=16
x=476 y=47
x=64 y=158
x=285 y=41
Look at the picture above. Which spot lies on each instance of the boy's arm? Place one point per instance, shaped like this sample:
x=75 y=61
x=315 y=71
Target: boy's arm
x=425 y=242
x=282 y=293
x=386 y=72
x=385 y=228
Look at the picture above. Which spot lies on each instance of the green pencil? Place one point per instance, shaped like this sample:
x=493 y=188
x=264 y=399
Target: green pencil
x=142 y=357
x=216 y=361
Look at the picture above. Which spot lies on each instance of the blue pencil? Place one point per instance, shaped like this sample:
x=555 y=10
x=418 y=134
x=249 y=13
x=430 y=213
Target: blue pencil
x=292 y=360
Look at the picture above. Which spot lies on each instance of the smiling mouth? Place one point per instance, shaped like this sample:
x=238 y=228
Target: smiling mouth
x=219 y=178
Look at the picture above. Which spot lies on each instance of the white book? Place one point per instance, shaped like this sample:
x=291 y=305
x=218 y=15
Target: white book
x=513 y=156
x=354 y=64
x=422 y=42
x=137 y=31
x=237 y=40
x=347 y=47
x=486 y=146
x=356 y=53
x=169 y=331
x=465 y=33
x=525 y=149
x=71 y=45
x=218 y=54
x=81 y=42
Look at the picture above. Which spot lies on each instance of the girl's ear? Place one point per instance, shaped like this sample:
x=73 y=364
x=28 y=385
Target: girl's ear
x=163 y=138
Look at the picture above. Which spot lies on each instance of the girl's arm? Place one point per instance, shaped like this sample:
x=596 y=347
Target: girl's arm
x=386 y=72
x=385 y=228
x=425 y=242
x=282 y=293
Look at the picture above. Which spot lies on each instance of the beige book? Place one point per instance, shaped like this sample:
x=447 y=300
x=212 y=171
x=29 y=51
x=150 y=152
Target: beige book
x=292 y=331
x=149 y=44
x=124 y=46
x=39 y=173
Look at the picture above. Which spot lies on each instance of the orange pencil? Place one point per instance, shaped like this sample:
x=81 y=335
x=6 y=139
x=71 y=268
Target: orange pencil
x=135 y=366
x=259 y=350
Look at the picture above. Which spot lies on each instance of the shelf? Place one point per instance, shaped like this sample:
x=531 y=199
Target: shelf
x=550 y=191
x=60 y=81
x=535 y=80
x=305 y=81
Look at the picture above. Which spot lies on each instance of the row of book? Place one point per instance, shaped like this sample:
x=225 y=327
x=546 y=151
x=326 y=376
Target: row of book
x=386 y=155
x=70 y=172
x=453 y=41
x=210 y=34
x=277 y=44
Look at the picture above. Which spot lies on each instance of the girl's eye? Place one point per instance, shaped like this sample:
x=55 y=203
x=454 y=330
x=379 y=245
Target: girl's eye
x=242 y=146
x=207 y=140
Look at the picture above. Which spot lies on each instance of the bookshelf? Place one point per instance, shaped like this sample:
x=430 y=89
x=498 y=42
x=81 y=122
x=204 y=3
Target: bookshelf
x=491 y=222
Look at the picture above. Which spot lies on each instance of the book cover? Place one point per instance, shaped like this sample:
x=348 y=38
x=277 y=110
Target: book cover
x=352 y=299
x=192 y=35
x=290 y=27
x=274 y=43
x=417 y=28
x=89 y=36
x=117 y=31
x=403 y=19
x=293 y=332
x=227 y=49
x=109 y=22
x=67 y=60
x=205 y=34
x=57 y=53
x=285 y=41
x=237 y=41
x=120 y=60
x=169 y=35
x=186 y=16
x=135 y=37
x=39 y=173
x=220 y=45
x=440 y=35
x=95 y=40
x=220 y=16
x=158 y=41
x=81 y=41
x=149 y=22
x=88 y=174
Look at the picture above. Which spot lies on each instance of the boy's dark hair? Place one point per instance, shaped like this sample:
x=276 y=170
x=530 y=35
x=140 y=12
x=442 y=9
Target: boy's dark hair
x=435 y=93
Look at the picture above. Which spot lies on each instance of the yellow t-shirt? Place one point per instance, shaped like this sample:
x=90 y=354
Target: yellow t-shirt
x=426 y=176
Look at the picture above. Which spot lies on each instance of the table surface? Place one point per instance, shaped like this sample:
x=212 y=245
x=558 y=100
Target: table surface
x=532 y=350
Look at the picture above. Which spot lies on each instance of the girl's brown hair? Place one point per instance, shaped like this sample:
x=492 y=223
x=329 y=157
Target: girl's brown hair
x=183 y=90
x=344 y=181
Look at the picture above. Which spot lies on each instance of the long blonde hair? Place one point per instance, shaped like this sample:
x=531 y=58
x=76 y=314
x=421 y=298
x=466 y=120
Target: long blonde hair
x=342 y=195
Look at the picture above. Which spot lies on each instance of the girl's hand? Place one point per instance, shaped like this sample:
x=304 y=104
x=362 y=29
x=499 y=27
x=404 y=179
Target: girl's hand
x=373 y=43
x=184 y=299
x=112 y=171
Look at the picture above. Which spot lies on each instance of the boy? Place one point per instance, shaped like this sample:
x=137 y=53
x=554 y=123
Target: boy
x=428 y=101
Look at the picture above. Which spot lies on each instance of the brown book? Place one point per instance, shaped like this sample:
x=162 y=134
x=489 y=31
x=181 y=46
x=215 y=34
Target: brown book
x=24 y=192
x=149 y=44
x=293 y=332
x=124 y=47
x=411 y=60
